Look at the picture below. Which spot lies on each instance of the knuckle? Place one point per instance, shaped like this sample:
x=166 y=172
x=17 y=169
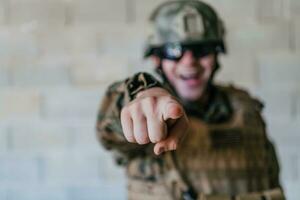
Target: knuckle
x=151 y=100
x=130 y=138
x=168 y=98
x=150 y=103
x=135 y=107
x=143 y=139
x=124 y=112
x=156 y=137
x=173 y=145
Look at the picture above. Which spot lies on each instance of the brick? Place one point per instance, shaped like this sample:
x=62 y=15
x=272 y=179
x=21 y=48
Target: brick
x=295 y=8
x=17 y=45
x=52 y=42
x=3 y=138
x=47 y=12
x=241 y=73
x=143 y=9
x=231 y=11
x=18 y=170
x=285 y=136
x=83 y=138
x=3 y=12
x=37 y=76
x=297 y=35
x=68 y=104
x=298 y=106
x=145 y=65
x=289 y=164
x=279 y=69
x=97 y=70
x=6 y=42
x=84 y=39
x=71 y=169
x=4 y=77
x=3 y=194
x=256 y=38
x=278 y=103
x=109 y=192
x=59 y=60
x=285 y=133
x=39 y=137
x=5 y=62
x=110 y=172
x=292 y=189
x=19 y=103
x=272 y=9
x=130 y=45
x=94 y=11
x=227 y=9
x=30 y=192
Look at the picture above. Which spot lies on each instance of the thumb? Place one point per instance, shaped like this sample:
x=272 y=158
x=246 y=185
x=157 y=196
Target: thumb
x=172 y=110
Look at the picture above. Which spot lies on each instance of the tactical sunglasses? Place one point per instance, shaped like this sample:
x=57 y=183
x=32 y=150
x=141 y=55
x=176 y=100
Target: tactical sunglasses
x=175 y=51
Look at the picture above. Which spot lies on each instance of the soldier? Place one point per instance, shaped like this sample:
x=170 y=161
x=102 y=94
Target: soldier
x=222 y=151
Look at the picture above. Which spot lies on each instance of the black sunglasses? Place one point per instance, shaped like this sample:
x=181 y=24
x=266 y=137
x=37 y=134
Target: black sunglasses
x=175 y=51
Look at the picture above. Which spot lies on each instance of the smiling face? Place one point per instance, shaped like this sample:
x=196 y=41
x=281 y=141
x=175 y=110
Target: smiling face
x=190 y=75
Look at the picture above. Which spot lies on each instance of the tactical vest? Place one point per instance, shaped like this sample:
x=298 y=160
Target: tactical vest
x=230 y=160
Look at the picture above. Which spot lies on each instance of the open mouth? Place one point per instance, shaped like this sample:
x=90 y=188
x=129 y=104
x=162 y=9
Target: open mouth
x=191 y=79
x=189 y=76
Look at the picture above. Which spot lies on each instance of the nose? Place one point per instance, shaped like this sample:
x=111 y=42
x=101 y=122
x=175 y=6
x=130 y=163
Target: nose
x=189 y=58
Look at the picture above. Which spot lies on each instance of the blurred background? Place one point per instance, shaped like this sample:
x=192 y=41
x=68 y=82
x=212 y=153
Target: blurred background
x=58 y=56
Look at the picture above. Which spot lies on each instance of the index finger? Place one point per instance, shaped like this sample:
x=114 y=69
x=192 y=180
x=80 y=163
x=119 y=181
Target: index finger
x=175 y=136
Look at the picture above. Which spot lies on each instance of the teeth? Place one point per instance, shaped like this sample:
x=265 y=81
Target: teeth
x=189 y=76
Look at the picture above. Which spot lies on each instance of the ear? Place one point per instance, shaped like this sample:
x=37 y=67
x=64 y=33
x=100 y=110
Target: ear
x=156 y=60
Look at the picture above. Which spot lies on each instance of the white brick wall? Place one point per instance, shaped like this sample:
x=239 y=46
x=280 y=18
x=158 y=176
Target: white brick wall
x=74 y=169
x=2 y=12
x=37 y=76
x=68 y=104
x=94 y=11
x=236 y=11
x=278 y=103
x=93 y=69
x=37 y=192
x=58 y=56
x=257 y=37
x=296 y=34
x=242 y=71
x=18 y=46
x=279 y=69
x=19 y=103
x=18 y=170
x=294 y=8
x=4 y=77
x=272 y=9
x=298 y=104
x=46 y=12
x=39 y=137
x=3 y=138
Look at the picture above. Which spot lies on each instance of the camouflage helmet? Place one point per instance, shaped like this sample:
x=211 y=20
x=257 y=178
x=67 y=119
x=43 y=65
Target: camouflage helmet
x=185 y=22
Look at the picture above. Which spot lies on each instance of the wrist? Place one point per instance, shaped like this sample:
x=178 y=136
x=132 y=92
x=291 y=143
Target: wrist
x=141 y=82
x=155 y=91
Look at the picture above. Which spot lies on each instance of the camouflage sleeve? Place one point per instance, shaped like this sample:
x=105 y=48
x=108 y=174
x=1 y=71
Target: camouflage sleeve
x=109 y=129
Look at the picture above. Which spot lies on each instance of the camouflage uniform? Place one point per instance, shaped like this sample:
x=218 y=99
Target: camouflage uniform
x=226 y=151
x=226 y=154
